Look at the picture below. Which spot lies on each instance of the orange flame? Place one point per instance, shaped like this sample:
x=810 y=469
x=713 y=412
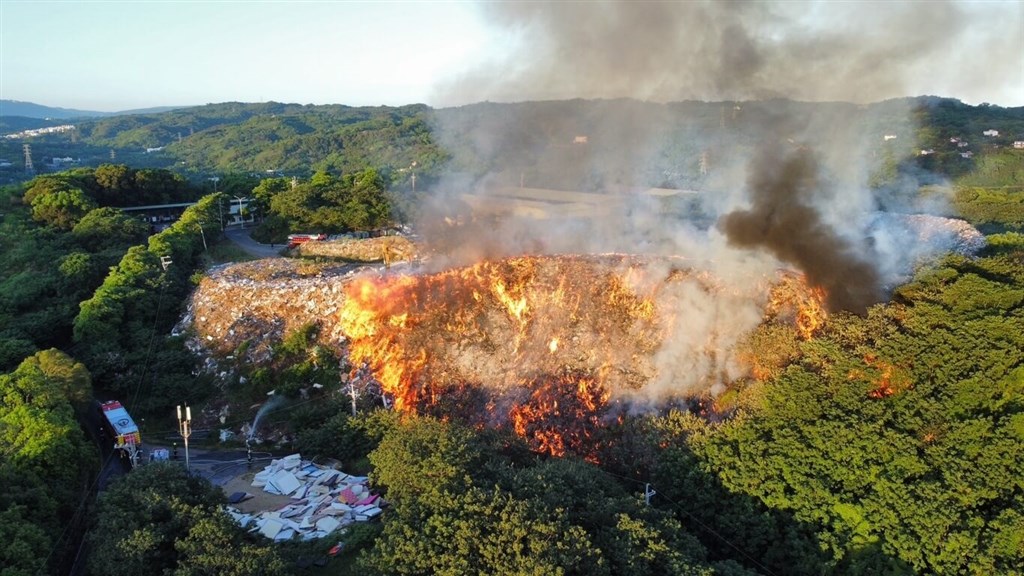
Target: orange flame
x=467 y=340
x=890 y=379
x=811 y=312
x=806 y=304
x=561 y=414
x=401 y=327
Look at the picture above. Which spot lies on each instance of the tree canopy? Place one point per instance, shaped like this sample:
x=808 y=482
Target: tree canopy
x=160 y=519
x=44 y=459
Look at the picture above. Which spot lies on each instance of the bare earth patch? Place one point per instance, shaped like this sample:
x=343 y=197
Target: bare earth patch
x=261 y=500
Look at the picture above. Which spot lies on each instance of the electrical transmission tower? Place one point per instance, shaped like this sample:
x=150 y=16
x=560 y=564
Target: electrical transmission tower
x=29 y=168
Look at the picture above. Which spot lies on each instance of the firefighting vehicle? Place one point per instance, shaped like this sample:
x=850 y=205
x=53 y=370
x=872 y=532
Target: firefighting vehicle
x=123 y=429
x=296 y=239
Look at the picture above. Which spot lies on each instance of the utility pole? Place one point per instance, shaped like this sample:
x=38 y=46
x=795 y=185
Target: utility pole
x=240 y=215
x=203 y=234
x=648 y=492
x=185 y=429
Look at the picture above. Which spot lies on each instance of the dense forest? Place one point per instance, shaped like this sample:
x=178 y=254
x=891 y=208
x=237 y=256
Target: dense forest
x=889 y=443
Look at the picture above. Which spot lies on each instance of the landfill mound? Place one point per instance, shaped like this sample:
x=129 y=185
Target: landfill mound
x=257 y=303
x=381 y=249
x=923 y=237
x=323 y=500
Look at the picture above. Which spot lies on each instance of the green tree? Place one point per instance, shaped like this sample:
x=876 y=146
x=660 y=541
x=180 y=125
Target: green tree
x=62 y=209
x=486 y=533
x=160 y=519
x=896 y=435
x=215 y=545
x=109 y=227
x=21 y=540
x=45 y=461
x=423 y=459
x=114 y=182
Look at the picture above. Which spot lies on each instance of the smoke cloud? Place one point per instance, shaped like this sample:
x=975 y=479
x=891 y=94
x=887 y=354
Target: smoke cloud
x=696 y=140
x=783 y=220
x=706 y=50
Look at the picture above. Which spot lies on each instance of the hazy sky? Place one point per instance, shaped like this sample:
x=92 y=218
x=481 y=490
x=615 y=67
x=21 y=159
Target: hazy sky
x=123 y=55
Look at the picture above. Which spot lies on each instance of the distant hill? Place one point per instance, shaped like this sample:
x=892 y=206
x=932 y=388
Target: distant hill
x=594 y=145
x=11 y=124
x=33 y=110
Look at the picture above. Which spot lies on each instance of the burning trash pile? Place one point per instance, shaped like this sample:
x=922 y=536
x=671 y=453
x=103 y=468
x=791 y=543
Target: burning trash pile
x=323 y=500
x=548 y=346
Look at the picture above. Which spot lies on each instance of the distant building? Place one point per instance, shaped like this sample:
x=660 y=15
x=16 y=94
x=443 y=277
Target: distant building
x=954 y=140
x=61 y=162
x=579 y=140
x=927 y=152
x=991 y=132
x=962 y=144
x=41 y=131
x=967 y=154
x=888 y=137
x=1018 y=144
x=151 y=150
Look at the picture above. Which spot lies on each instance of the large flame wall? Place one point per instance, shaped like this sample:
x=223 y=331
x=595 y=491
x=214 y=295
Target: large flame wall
x=628 y=323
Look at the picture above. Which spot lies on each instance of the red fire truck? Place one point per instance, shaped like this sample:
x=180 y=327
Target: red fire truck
x=123 y=429
x=296 y=239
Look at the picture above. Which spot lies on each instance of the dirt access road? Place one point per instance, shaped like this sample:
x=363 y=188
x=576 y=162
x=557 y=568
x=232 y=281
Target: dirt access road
x=240 y=236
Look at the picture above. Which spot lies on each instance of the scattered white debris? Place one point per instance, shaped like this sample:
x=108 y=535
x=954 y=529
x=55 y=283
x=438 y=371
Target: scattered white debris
x=323 y=500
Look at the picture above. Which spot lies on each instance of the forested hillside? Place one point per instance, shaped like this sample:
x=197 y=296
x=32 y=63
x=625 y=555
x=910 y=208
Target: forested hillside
x=62 y=242
x=597 y=145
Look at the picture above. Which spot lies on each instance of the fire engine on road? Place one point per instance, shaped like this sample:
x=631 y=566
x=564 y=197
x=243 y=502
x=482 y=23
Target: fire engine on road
x=296 y=239
x=123 y=429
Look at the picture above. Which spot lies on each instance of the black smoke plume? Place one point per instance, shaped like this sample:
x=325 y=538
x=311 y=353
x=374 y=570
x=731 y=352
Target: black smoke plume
x=784 y=221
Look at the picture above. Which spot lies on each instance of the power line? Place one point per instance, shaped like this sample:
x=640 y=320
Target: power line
x=78 y=512
x=152 y=337
x=648 y=486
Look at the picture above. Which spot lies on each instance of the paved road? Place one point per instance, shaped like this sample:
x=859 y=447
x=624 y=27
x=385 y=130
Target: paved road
x=240 y=236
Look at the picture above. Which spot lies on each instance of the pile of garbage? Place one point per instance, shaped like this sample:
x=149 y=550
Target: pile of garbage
x=258 y=303
x=379 y=249
x=252 y=306
x=323 y=500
